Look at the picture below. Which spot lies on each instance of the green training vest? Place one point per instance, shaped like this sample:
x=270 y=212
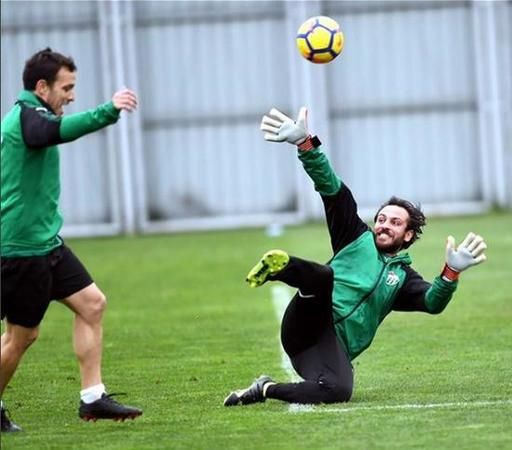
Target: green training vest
x=30 y=178
x=366 y=283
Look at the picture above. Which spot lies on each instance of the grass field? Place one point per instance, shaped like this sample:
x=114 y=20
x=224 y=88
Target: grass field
x=182 y=330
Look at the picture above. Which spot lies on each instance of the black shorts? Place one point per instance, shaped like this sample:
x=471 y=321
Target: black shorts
x=30 y=283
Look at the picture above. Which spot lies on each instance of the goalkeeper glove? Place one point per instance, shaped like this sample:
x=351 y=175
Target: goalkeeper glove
x=469 y=253
x=278 y=127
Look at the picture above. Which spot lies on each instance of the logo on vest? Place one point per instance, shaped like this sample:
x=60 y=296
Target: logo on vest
x=392 y=279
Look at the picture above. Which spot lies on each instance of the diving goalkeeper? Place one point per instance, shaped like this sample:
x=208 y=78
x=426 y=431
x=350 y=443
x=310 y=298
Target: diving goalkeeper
x=338 y=306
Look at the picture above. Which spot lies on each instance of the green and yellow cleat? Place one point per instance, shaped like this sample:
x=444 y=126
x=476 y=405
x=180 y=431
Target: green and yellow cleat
x=271 y=263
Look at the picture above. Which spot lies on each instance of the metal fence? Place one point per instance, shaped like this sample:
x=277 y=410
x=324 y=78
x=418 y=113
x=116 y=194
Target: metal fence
x=417 y=105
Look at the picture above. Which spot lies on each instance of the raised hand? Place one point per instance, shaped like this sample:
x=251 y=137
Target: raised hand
x=469 y=253
x=278 y=127
x=125 y=99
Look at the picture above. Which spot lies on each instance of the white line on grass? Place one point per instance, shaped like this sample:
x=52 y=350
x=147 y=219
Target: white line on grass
x=280 y=298
x=469 y=404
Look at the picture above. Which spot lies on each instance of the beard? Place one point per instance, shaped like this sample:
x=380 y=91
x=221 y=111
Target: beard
x=394 y=247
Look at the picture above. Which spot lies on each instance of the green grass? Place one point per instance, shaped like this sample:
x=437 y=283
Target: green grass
x=182 y=329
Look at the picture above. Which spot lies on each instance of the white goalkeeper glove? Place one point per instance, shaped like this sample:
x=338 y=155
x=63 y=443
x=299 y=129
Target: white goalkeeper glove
x=278 y=127
x=469 y=253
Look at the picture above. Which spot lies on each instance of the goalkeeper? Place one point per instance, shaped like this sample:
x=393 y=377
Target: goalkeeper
x=338 y=307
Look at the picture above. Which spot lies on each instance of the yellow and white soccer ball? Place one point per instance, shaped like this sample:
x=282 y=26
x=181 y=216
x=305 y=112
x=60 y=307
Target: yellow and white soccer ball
x=320 y=39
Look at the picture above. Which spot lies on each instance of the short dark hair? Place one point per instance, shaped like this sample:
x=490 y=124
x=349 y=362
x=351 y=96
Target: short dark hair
x=44 y=65
x=416 y=217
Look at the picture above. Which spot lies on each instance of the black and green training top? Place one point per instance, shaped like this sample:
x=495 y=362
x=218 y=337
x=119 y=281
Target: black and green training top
x=30 y=181
x=368 y=284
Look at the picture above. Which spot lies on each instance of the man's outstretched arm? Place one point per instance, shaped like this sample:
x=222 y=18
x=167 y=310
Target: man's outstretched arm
x=278 y=127
x=418 y=295
x=340 y=207
x=41 y=128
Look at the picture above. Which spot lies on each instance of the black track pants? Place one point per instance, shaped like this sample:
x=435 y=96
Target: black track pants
x=308 y=337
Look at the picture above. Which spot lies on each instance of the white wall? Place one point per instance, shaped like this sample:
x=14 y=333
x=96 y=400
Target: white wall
x=417 y=105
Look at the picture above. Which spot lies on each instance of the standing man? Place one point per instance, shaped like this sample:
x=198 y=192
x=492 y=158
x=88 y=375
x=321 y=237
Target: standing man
x=339 y=305
x=37 y=266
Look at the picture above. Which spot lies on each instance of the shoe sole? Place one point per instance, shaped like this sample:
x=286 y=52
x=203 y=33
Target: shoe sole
x=12 y=430
x=272 y=262
x=90 y=418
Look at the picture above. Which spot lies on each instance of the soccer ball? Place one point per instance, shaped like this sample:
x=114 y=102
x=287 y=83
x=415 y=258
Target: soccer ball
x=320 y=40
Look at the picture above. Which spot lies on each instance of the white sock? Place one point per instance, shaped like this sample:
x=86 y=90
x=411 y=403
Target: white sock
x=92 y=393
x=266 y=386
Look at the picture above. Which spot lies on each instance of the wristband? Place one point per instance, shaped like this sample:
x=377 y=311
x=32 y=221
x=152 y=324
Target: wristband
x=310 y=143
x=448 y=274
